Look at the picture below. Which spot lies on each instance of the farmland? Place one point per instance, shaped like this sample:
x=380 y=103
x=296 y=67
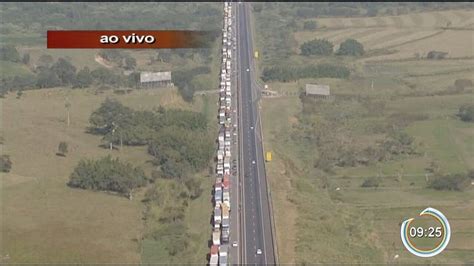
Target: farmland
x=46 y=221
x=405 y=35
x=327 y=216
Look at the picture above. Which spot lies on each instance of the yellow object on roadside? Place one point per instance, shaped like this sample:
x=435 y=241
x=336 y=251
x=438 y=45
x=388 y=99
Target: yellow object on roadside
x=268 y=156
x=256 y=54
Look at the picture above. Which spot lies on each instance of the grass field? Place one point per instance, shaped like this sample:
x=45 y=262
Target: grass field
x=404 y=34
x=330 y=218
x=42 y=219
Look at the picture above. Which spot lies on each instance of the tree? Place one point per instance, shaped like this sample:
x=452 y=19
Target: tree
x=26 y=59
x=19 y=93
x=194 y=187
x=9 y=53
x=456 y=182
x=105 y=76
x=371 y=182
x=65 y=71
x=466 y=112
x=310 y=25
x=47 y=79
x=257 y=7
x=5 y=163
x=461 y=84
x=317 y=47
x=45 y=60
x=130 y=63
x=62 y=149
x=83 y=79
x=351 y=47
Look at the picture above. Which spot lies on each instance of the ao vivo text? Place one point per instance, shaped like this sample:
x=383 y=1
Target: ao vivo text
x=128 y=39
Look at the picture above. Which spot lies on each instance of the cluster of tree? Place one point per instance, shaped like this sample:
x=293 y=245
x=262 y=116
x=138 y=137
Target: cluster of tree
x=317 y=47
x=455 y=182
x=184 y=80
x=349 y=47
x=466 y=112
x=286 y=74
x=178 y=139
x=5 y=164
x=107 y=174
x=179 y=152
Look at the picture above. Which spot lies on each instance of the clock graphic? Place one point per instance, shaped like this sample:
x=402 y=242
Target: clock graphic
x=423 y=240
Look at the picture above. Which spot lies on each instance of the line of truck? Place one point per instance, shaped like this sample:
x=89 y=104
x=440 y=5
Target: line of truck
x=221 y=189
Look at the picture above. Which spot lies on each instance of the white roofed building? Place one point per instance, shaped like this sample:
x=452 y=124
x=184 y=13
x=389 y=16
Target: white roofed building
x=155 y=79
x=317 y=90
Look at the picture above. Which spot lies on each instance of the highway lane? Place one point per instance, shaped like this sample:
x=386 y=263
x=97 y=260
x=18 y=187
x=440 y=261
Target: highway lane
x=255 y=206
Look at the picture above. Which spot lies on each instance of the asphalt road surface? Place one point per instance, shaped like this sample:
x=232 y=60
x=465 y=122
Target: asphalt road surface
x=256 y=224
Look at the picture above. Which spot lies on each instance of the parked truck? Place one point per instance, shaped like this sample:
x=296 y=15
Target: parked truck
x=214 y=260
x=225 y=235
x=217 y=214
x=223 y=256
x=218 y=197
x=216 y=237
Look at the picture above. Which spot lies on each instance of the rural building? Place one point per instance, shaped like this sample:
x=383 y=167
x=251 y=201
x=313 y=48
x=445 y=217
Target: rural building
x=436 y=55
x=317 y=91
x=155 y=79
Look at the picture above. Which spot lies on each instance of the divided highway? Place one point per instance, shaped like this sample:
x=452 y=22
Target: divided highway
x=256 y=230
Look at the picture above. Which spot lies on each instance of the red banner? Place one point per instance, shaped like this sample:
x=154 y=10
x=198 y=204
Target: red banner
x=126 y=39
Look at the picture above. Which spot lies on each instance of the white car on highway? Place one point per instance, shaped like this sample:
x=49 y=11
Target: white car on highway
x=259 y=252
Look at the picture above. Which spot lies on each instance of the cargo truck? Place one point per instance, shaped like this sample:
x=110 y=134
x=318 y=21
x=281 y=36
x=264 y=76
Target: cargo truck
x=218 y=198
x=214 y=260
x=216 y=237
x=217 y=215
x=225 y=235
x=223 y=256
x=226 y=198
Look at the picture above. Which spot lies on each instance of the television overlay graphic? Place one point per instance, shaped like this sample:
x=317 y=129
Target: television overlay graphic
x=424 y=240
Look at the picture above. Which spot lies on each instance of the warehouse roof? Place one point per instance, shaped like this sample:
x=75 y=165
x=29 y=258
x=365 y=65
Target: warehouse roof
x=155 y=76
x=316 y=89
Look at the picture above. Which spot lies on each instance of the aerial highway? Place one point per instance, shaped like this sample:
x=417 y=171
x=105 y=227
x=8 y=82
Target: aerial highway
x=256 y=232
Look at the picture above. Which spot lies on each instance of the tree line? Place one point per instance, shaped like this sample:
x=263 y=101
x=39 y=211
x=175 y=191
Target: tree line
x=286 y=73
x=49 y=74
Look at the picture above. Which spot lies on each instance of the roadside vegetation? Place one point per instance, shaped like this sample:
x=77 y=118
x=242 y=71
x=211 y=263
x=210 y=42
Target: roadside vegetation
x=393 y=138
